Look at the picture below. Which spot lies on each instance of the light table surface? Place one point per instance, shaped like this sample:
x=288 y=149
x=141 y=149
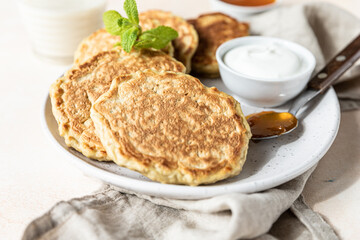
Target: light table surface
x=34 y=175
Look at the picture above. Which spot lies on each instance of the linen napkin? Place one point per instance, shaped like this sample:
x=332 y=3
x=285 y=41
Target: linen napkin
x=114 y=213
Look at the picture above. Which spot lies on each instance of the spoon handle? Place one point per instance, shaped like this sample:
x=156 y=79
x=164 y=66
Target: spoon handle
x=336 y=67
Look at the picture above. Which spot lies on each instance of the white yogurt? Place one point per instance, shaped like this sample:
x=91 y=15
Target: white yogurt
x=265 y=61
x=57 y=27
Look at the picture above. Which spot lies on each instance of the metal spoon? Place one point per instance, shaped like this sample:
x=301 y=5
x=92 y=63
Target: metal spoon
x=270 y=124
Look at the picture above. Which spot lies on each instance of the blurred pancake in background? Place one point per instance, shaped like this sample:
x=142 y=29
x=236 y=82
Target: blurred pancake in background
x=213 y=30
x=187 y=42
x=101 y=41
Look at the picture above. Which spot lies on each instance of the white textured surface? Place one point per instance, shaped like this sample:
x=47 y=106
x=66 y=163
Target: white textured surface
x=33 y=176
x=334 y=188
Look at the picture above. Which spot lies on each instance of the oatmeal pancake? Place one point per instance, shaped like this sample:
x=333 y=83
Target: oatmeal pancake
x=185 y=45
x=171 y=128
x=73 y=94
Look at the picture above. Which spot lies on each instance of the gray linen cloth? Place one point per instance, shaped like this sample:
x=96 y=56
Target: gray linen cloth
x=114 y=213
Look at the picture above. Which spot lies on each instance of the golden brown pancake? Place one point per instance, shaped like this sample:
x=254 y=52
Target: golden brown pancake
x=213 y=30
x=72 y=94
x=185 y=45
x=171 y=128
x=100 y=41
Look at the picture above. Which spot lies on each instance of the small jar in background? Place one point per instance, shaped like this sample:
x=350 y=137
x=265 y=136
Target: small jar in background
x=243 y=9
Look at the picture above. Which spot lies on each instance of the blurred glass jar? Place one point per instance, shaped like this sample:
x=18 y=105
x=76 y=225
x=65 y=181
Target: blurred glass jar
x=57 y=27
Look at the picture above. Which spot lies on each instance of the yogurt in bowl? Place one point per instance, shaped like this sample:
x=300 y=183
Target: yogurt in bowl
x=264 y=71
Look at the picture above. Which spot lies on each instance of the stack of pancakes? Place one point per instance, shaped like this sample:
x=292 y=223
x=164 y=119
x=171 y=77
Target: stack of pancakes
x=142 y=111
x=195 y=47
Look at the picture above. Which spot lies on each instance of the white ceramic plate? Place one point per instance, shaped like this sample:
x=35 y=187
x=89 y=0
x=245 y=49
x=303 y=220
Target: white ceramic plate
x=269 y=163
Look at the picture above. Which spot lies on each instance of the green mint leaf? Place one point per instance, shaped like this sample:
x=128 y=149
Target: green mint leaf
x=124 y=24
x=129 y=37
x=131 y=11
x=144 y=44
x=111 y=19
x=156 y=38
x=131 y=33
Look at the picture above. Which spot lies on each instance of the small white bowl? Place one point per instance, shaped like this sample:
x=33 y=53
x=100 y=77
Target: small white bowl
x=265 y=92
x=241 y=12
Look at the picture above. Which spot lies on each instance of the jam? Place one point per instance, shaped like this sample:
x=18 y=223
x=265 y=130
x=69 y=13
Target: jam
x=270 y=123
x=249 y=3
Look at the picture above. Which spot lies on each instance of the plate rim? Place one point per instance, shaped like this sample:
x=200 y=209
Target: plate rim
x=171 y=190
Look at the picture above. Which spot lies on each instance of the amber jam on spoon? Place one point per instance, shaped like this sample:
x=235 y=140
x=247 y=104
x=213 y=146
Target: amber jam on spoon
x=270 y=123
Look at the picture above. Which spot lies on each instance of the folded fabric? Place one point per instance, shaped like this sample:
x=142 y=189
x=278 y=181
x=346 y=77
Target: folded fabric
x=115 y=213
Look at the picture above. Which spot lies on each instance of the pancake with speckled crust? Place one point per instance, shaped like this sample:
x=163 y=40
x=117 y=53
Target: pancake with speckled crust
x=171 y=128
x=213 y=30
x=72 y=95
x=101 y=40
x=185 y=45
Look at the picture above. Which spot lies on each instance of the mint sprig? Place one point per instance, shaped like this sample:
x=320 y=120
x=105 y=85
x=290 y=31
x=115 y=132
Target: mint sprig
x=128 y=38
x=131 y=33
x=130 y=8
x=111 y=19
